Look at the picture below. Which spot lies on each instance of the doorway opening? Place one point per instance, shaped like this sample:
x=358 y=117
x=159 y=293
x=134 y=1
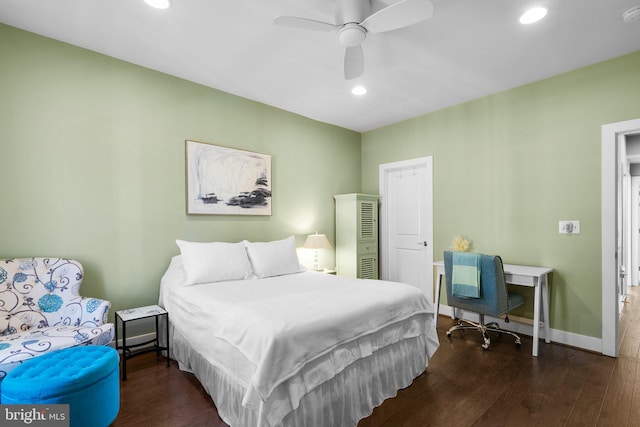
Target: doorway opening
x=615 y=234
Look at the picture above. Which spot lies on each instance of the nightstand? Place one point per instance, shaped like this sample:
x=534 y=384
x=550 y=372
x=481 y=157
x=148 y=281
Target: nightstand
x=128 y=351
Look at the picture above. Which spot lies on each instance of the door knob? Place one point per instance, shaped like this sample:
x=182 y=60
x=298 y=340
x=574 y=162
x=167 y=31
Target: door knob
x=422 y=243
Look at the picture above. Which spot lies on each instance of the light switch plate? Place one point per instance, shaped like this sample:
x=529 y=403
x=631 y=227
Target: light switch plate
x=569 y=227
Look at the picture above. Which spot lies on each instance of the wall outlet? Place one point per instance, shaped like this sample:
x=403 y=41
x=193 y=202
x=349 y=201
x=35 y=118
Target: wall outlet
x=569 y=227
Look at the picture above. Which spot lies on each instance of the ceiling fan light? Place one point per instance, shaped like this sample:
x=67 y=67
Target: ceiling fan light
x=159 y=4
x=359 y=90
x=351 y=34
x=533 y=15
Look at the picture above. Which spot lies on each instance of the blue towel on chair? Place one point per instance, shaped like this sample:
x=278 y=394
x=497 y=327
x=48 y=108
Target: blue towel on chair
x=466 y=275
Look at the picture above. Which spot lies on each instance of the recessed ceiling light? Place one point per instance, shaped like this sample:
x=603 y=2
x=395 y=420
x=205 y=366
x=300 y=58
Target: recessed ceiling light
x=533 y=15
x=359 y=90
x=631 y=15
x=159 y=4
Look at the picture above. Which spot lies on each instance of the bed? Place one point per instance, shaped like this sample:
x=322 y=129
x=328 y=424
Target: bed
x=276 y=345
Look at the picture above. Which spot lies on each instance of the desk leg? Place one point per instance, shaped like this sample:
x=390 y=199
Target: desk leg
x=438 y=290
x=544 y=288
x=536 y=317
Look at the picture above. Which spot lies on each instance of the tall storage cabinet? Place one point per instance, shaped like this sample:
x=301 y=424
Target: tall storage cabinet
x=357 y=235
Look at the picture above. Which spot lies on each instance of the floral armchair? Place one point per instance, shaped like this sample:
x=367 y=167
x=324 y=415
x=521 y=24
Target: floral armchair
x=41 y=310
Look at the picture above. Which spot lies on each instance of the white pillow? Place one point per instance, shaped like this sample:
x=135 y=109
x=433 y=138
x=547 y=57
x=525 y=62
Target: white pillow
x=273 y=258
x=214 y=261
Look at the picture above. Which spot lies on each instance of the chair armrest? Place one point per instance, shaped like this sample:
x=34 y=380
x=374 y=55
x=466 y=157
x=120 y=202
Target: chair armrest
x=85 y=311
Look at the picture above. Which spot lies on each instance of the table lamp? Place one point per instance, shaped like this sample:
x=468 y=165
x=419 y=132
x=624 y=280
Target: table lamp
x=316 y=242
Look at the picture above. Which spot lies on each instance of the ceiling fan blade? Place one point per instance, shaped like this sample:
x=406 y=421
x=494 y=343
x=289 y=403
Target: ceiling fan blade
x=304 y=23
x=353 y=62
x=398 y=15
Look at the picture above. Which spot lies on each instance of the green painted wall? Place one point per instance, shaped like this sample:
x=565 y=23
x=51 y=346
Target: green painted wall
x=93 y=166
x=508 y=167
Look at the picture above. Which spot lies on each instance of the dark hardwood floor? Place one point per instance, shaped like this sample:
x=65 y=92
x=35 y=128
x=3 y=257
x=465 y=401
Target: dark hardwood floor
x=463 y=386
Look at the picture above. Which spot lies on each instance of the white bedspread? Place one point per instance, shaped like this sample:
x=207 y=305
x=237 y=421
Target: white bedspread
x=264 y=332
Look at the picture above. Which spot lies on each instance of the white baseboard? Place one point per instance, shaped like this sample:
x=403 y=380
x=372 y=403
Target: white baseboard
x=561 y=337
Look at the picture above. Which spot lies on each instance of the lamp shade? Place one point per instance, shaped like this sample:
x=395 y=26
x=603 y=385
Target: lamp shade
x=317 y=241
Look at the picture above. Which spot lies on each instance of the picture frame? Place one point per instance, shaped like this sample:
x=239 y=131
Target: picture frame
x=226 y=181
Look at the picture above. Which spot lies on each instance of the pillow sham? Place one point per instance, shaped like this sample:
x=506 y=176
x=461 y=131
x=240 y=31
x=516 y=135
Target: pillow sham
x=214 y=261
x=274 y=258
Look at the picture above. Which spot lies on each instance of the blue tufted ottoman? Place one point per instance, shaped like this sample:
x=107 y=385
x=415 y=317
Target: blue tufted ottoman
x=86 y=378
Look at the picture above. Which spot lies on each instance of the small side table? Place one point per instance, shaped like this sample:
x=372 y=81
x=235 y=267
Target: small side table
x=138 y=313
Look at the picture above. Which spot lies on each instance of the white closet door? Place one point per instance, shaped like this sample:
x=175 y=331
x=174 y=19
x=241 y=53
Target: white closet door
x=406 y=194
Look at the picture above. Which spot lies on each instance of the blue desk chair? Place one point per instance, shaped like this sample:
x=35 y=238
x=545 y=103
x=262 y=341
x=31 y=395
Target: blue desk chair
x=493 y=300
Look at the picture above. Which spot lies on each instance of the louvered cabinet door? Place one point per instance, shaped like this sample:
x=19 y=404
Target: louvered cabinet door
x=357 y=235
x=368 y=266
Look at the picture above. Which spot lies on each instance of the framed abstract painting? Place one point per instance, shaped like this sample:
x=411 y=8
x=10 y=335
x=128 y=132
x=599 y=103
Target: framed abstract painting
x=227 y=181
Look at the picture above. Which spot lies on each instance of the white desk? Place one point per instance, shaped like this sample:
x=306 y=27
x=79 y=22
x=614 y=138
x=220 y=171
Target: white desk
x=522 y=275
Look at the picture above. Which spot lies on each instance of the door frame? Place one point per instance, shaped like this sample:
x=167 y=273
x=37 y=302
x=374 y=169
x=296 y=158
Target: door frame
x=384 y=170
x=635 y=227
x=612 y=133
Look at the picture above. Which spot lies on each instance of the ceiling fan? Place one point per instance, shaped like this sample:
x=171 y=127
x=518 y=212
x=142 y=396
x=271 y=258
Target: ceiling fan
x=357 y=20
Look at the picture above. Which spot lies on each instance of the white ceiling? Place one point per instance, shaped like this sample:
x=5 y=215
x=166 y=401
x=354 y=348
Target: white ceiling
x=470 y=48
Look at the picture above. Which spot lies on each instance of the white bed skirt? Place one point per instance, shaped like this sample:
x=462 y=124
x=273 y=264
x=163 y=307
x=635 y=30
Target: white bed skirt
x=350 y=396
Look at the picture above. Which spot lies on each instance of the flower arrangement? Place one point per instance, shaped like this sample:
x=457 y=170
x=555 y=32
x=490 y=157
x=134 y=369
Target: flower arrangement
x=461 y=244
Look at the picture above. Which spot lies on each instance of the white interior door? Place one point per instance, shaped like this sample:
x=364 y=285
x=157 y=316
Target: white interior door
x=406 y=219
